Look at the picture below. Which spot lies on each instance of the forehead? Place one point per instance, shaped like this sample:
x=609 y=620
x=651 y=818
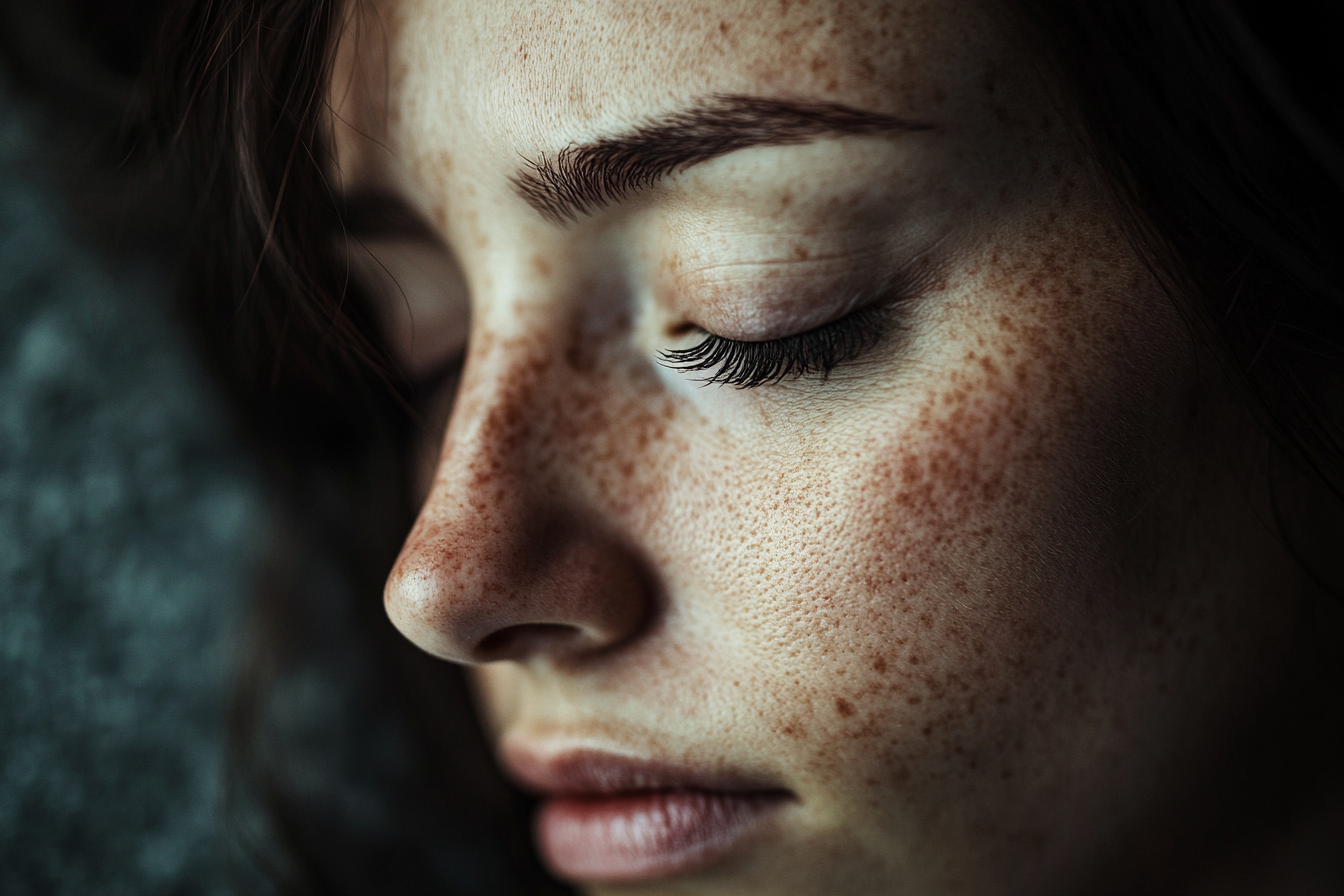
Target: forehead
x=502 y=78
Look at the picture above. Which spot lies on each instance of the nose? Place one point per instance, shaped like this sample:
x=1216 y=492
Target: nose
x=506 y=560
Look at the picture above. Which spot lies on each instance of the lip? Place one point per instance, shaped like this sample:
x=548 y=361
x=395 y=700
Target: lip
x=611 y=818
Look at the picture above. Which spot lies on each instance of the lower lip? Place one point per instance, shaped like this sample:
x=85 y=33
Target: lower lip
x=630 y=837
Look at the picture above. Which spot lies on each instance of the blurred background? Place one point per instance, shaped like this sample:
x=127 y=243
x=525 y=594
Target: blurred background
x=130 y=520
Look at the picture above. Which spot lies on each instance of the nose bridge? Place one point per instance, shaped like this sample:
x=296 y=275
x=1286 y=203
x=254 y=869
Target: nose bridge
x=502 y=406
x=534 y=395
x=498 y=564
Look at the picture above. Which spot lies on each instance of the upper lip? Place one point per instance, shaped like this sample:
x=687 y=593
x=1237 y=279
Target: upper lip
x=595 y=772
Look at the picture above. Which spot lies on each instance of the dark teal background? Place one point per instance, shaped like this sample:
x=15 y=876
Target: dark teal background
x=128 y=526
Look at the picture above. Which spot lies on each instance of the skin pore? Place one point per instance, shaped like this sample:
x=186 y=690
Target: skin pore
x=985 y=601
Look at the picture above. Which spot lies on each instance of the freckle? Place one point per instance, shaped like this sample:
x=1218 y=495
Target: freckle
x=844 y=707
x=879 y=665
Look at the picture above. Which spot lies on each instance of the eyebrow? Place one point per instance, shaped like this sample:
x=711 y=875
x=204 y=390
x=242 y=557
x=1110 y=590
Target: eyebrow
x=585 y=177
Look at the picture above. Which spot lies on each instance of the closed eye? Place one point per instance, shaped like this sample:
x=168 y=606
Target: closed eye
x=816 y=352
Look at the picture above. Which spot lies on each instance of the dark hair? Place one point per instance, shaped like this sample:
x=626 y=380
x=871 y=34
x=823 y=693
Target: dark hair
x=1220 y=125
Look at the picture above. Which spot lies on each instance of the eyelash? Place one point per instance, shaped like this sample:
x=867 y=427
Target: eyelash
x=747 y=365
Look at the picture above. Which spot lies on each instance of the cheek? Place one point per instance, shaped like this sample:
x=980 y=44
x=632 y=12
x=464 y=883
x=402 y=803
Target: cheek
x=945 y=556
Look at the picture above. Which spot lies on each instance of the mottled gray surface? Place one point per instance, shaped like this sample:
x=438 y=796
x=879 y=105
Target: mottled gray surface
x=127 y=523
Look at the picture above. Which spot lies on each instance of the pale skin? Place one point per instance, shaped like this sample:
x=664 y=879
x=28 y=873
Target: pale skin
x=985 y=600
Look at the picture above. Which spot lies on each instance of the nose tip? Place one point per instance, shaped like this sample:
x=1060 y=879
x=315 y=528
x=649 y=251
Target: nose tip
x=516 y=554
x=579 y=596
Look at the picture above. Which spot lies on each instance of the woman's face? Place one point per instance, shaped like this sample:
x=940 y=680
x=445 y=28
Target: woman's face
x=962 y=602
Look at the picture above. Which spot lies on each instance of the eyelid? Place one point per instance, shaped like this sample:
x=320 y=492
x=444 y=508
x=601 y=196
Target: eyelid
x=430 y=379
x=761 y=300
x=746 y=365
x=417 y=293
x=823 y=299
x=766 y=308
x=873 y=247
x=869 y=316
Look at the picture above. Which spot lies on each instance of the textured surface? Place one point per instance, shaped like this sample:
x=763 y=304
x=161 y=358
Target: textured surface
x=127 y=523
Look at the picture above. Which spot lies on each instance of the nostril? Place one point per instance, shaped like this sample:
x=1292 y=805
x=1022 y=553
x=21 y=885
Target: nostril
x=519 y=641
x=563 y=588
